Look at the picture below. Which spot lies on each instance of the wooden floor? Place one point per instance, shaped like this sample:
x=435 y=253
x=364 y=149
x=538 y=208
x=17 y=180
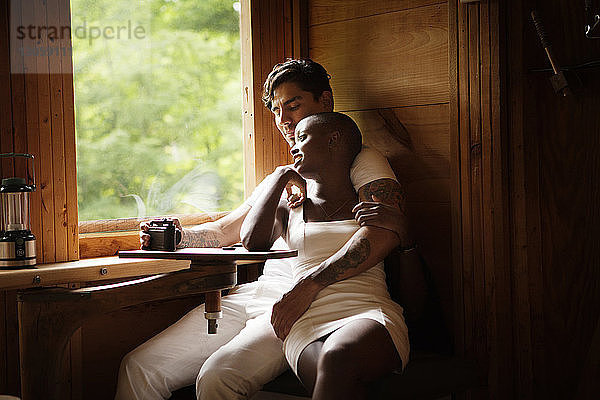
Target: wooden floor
x=278 y=396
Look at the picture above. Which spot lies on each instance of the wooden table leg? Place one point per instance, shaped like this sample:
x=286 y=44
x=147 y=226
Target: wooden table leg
x=212 y=310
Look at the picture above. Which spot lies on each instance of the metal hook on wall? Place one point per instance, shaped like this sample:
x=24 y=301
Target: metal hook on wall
x=592 y=30
x=558 y=80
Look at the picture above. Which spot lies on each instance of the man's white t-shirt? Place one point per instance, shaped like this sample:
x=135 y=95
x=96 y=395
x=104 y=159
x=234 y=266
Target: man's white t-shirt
x=368 y=166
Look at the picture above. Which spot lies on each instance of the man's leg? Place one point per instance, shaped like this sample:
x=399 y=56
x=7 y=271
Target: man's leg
x=172 y=359
x=241 y=367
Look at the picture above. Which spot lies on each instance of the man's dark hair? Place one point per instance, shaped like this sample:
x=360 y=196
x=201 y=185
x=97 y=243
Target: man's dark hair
x=309 y=75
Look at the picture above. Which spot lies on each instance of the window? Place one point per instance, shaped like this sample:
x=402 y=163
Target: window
x=43 y=120
x=157 y=106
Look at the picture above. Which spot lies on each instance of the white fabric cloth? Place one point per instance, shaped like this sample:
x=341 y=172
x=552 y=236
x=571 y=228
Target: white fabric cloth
x=233 y=364
x=364 y=296
x=233 y=368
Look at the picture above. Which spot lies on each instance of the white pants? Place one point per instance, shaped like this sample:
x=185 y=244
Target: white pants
x=233 y=364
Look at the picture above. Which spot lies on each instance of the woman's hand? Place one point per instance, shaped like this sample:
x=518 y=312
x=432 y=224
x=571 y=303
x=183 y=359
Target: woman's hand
x=292 y=305
x=295 y=187
x=376 y=213
x=295 y=194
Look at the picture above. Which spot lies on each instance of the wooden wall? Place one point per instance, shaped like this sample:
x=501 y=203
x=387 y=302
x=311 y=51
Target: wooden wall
x=554 y=165
x=37 y=117
x=500 y=173
x=482 y=300
x=271 y=31
x=525 y=216
x=388 y=62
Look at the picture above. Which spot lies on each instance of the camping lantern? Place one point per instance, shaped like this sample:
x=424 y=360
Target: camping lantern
x=17 y=243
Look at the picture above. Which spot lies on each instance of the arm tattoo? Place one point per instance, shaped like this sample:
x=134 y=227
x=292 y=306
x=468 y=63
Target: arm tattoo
x=387 y=190
x=356 y=255
x=199 y=238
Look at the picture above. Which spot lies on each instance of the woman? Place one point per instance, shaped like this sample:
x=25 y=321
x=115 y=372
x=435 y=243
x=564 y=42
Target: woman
x=340 y=328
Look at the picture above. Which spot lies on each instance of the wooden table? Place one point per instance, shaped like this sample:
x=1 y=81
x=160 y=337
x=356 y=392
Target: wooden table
x=225 y=258
x=48 y=316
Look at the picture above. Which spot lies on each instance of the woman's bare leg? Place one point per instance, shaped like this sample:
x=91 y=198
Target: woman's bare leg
x=307 y=364
x=349 y=359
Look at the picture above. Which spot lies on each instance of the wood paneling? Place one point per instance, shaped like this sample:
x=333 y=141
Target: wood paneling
x=45 y=153
x=12 y=139
x=6 y=134
x=12 y=344
x=422 y=162
x=479 y=194
x=267 y=39
x=3 y=360
x=104 y=342
x=416 y=142
x=526 y=275
x=387 y=60
x=38 y=118
x=557 y=310
x=68 y=99
x=325 y=11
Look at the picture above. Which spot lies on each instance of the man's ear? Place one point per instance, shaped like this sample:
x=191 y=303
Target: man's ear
x=327 y=100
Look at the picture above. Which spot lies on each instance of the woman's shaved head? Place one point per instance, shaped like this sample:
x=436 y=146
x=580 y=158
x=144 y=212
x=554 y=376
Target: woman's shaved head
x=349 y=136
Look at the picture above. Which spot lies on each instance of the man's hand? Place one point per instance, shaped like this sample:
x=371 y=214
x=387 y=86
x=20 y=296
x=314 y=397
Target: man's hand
x=145 y=237
x=292 y=305
x=390 y=217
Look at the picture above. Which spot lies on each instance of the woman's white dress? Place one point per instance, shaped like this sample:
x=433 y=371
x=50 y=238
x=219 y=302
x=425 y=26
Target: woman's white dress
x=363 y=296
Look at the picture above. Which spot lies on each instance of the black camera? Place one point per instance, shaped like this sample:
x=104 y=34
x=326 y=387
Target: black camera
x=164 y=235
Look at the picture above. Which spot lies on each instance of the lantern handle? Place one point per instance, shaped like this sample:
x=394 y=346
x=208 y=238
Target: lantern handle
x=25 y=155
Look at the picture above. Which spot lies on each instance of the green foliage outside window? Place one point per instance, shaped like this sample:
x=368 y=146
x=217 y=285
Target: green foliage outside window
x=158 y=115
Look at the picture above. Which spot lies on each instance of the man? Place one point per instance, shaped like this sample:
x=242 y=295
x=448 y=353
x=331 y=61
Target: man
x=246 y=353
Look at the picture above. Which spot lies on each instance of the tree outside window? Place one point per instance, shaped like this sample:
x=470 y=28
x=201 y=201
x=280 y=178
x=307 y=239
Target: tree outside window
x=158 y=107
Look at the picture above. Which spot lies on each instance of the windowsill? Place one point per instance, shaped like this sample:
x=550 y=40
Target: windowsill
x=89 y=270
x=106 y=237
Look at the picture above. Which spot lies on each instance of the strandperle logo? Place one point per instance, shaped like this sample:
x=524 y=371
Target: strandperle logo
x=42 y=40
x=91 y=32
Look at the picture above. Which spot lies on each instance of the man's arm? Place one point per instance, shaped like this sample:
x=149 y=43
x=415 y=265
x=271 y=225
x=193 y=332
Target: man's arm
x=382 y=205
x=223 y=232
x=369 y=245
x=388 y=191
